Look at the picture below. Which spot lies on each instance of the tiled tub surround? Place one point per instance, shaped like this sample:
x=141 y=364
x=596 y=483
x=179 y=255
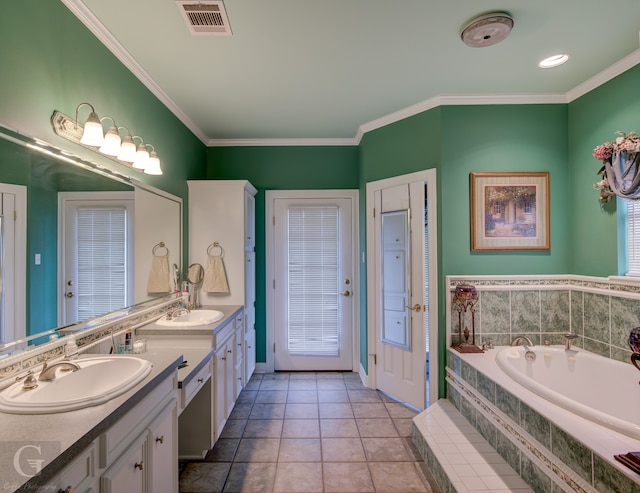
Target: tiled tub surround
x=552 y=449
x=525 y=429
x=601 y=311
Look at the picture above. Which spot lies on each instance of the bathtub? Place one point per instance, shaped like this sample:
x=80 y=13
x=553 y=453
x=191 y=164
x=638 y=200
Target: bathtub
x=599 y=389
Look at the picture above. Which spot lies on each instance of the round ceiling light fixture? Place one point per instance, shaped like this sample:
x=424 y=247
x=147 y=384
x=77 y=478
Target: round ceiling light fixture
x=553 y=61
x=487 y=30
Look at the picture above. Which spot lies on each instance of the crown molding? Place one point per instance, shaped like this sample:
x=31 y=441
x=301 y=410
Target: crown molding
x=606 y=75
x=86 y=16
x=281 y=142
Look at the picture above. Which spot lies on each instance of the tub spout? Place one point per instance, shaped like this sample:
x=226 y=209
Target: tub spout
x=518 y=340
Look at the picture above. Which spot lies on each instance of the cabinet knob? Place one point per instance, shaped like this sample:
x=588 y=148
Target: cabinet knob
x=139 y=465
x=249 y=347
x=160 y=439
x=68 y=489
x=200 y=380
x=229 y=351
x=240 y=344
x=224 y=358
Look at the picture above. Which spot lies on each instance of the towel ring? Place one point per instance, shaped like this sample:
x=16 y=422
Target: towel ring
x=158 y=246
x=215 y=245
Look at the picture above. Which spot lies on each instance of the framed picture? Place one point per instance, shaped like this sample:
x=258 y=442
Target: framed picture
x=510 y=211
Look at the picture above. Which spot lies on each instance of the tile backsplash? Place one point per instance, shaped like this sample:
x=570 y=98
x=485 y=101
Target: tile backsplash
x=601 y=311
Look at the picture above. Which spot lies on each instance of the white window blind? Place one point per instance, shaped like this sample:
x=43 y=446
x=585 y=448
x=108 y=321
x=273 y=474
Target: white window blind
x=102 y=260
x=313 y=280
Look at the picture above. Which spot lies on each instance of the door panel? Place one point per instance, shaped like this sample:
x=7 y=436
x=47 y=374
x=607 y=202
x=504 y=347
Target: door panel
x=313 y=283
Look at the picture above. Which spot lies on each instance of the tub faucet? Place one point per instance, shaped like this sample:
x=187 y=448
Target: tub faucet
x=518 y=339
x=526 y=343
x=568 y=337
x=49 y=371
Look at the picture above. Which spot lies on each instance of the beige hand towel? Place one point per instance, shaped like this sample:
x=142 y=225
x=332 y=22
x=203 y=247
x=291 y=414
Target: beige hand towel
x=159 y=277
x=215 y=276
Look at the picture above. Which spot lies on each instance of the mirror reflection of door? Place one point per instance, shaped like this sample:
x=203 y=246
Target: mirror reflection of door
x=13 y=270
x=396 y=321
x=96 y=271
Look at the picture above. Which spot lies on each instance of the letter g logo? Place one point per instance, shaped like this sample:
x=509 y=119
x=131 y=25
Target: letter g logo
x=34 y=464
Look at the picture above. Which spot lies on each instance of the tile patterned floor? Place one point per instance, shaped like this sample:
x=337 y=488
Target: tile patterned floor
x=312 y=432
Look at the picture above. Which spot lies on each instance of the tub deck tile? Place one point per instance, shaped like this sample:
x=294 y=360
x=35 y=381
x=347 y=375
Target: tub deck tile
x=467 y=460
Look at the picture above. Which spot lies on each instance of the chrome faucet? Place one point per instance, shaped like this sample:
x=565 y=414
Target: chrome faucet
x=528 y=353
x=518 y=339
x=568 y=337
x=49 y=371
x=177 y=312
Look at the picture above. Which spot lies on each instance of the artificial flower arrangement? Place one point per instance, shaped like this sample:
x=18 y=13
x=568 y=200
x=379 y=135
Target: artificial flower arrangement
x=624 y=143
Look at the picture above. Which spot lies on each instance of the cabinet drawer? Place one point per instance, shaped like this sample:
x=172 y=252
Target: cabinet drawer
x=194 y=385
x=80 y=474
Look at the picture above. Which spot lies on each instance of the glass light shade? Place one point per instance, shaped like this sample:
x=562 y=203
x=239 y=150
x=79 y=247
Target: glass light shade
x=92 y=134
x=111 y=144
x=127 y=150
x=153 y=165
x=553 y=61
x=142 y=156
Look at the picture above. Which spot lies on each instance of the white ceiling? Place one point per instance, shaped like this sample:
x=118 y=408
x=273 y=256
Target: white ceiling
x=325 y=71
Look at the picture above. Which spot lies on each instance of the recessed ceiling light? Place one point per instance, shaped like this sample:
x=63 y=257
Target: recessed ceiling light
x=553 y=61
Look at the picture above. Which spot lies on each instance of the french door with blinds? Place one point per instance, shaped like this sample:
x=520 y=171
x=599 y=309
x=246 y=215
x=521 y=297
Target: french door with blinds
x=312 y=291
x=97 y=239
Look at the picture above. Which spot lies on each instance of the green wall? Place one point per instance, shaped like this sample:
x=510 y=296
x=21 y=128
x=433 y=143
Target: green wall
x=51 y=61
x=281 y=168
x=593 y=119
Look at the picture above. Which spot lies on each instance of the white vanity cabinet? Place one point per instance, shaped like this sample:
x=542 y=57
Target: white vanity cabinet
x=139 y=453
x=223 y=212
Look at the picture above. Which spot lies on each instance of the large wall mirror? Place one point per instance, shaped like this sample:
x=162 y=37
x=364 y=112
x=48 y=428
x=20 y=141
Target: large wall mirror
x=37 y=186
x=396 y=322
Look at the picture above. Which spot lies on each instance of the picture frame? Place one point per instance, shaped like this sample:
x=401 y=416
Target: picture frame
x=510 y=211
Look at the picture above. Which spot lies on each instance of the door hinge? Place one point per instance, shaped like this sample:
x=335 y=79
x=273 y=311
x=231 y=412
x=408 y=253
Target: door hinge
x=374 y=212
x=274 y=284
x=274 y=347
x=15 y=215
x=375 y=358
x=274 y=220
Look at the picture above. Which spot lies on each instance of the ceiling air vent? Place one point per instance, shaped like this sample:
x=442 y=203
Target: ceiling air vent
x=205 y=17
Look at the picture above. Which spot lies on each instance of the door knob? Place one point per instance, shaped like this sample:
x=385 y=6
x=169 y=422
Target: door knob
x=346 y=293
x=69 y=294
x=416 y=308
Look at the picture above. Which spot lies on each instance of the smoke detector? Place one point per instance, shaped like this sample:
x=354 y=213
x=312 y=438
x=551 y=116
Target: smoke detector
x=205 y=16
x=487 y=30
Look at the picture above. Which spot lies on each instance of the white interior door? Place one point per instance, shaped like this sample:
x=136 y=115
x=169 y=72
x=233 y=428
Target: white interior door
x=401 y=286
x=96 y=252
x=312 y=292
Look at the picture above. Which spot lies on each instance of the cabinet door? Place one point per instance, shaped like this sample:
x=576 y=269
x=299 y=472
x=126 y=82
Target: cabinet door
x=220 y=376
x=129 y=472
x=79 y=475
x=230 y=392
x=238 y=359
x=249 y=220
x=249 y=354
x=163 y=450
x=249 y=279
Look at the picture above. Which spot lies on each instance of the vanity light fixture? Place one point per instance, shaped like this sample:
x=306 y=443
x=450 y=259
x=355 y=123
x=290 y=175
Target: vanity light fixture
x=127 y=148
x=92 y=134
x=112 y=140
x=553 y=61
x=112 y=145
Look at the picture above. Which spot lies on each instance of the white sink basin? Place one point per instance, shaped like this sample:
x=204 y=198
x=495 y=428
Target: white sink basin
x=99 y=379
x=196 y=317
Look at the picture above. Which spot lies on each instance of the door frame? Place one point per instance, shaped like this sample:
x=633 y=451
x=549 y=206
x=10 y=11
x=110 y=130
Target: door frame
x=428 y=177
x=270 y=196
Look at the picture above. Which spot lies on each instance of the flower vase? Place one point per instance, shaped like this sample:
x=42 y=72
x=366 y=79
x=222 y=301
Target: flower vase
x=623 y=174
